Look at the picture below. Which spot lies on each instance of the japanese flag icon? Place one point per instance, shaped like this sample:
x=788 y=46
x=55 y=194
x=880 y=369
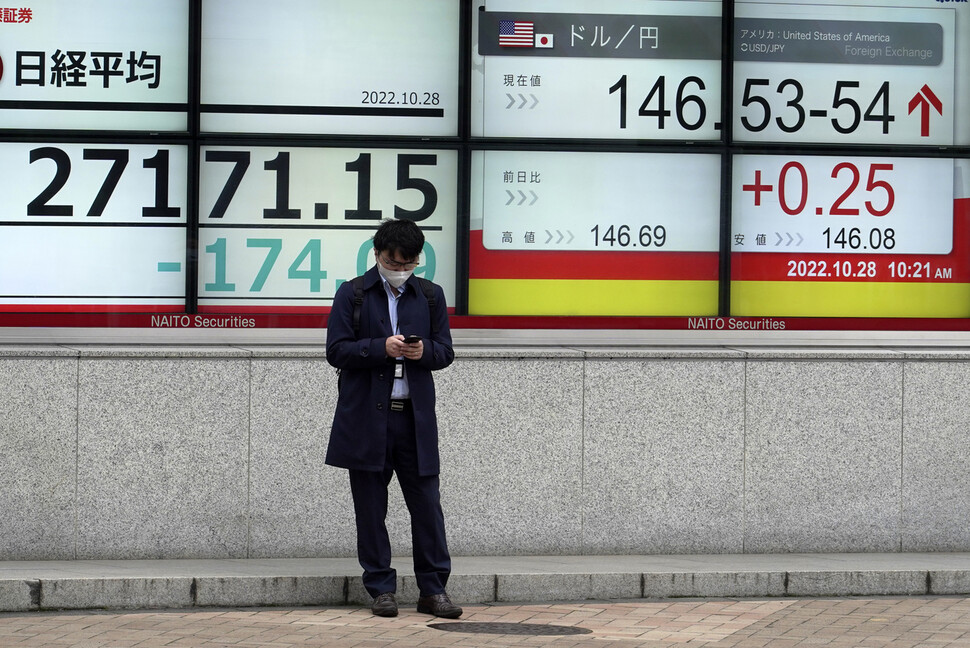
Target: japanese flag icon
x=543 y=40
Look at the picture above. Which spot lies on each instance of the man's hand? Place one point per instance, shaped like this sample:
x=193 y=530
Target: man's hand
x=395 y=347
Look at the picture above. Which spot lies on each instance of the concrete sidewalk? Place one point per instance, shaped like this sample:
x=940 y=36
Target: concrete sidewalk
x=157 y=584
x=848 y=622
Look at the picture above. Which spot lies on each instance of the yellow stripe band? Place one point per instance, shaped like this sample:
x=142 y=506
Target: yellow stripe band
x=849 y=299
x=591 y=297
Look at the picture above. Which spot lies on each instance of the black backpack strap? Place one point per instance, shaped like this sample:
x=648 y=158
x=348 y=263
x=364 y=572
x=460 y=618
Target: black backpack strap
x=428 y=288
x=358 y=284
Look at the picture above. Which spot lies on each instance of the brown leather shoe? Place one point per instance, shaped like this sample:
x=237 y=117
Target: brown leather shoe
x=385 y=605
x=439 y=605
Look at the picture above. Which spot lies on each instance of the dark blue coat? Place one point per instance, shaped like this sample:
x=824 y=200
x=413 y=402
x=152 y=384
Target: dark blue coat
x=358 y=438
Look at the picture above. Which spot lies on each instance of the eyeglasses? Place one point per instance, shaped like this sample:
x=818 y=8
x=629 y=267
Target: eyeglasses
x=398 y=265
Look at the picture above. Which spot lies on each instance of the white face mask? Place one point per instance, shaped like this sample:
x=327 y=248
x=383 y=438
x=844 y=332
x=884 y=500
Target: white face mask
x=394 y=277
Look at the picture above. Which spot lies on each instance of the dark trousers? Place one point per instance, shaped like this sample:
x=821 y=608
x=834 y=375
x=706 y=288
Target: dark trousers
x=432 y=562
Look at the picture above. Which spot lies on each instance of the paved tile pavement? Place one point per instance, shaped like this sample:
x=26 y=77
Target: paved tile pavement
x=870 y=622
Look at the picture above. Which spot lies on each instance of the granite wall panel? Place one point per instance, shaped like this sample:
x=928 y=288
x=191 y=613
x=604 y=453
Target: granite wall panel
x=511 y=453
x=663 y=448
x=936 y=457
x=38 y=434
x=217 y=452
x=300 y=507
x=163 y=455
x=822 y=456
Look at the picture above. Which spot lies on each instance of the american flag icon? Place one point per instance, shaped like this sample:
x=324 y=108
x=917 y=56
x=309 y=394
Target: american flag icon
x=515 y=33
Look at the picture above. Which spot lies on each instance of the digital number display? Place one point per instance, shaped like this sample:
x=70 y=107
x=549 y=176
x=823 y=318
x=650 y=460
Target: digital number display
x=386 y=67
x=95 y=65
x=611 y=74
x=285 y=227
x=564 y=233
x=843 y=204
x=92 y=224
x=849 y=237
x=169 y=159
x=599 y=201
x=853 y=74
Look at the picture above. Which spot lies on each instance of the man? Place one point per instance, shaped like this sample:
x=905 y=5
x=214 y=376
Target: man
x=385 y=419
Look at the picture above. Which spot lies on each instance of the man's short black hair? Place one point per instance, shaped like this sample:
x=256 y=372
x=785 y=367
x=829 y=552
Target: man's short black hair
x=401 y=236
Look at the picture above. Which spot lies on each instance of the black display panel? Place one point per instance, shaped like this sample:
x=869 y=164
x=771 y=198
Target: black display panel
x=850 y=236
x=95 y=65
x=594 y=233
x=349 y=67
x=851 y=73
x=282 y=228
x=608 y=69
x=93 y=227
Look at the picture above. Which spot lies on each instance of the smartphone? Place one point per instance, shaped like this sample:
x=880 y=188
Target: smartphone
x=412 y=339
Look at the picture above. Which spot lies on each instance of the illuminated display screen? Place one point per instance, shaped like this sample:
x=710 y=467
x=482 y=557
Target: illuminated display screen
x=285 y=227
x=850 y=237
x=850 y=73
x=609 y=69
x=95 y=65
x=579 y=233
x=92 y=225
x=340 y=67
x=653 y=164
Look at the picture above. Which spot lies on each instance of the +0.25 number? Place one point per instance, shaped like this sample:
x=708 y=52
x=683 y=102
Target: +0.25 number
x=837 y=208
x=41 y=205
x=361 y=166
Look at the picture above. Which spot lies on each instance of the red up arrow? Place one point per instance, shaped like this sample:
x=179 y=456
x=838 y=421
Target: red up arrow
x=923 y=99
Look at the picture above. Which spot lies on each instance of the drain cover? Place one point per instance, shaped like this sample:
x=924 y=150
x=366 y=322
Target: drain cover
x=533 y=629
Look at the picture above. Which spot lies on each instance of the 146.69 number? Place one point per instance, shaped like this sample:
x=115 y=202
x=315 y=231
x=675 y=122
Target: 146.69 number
x=622 y=236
